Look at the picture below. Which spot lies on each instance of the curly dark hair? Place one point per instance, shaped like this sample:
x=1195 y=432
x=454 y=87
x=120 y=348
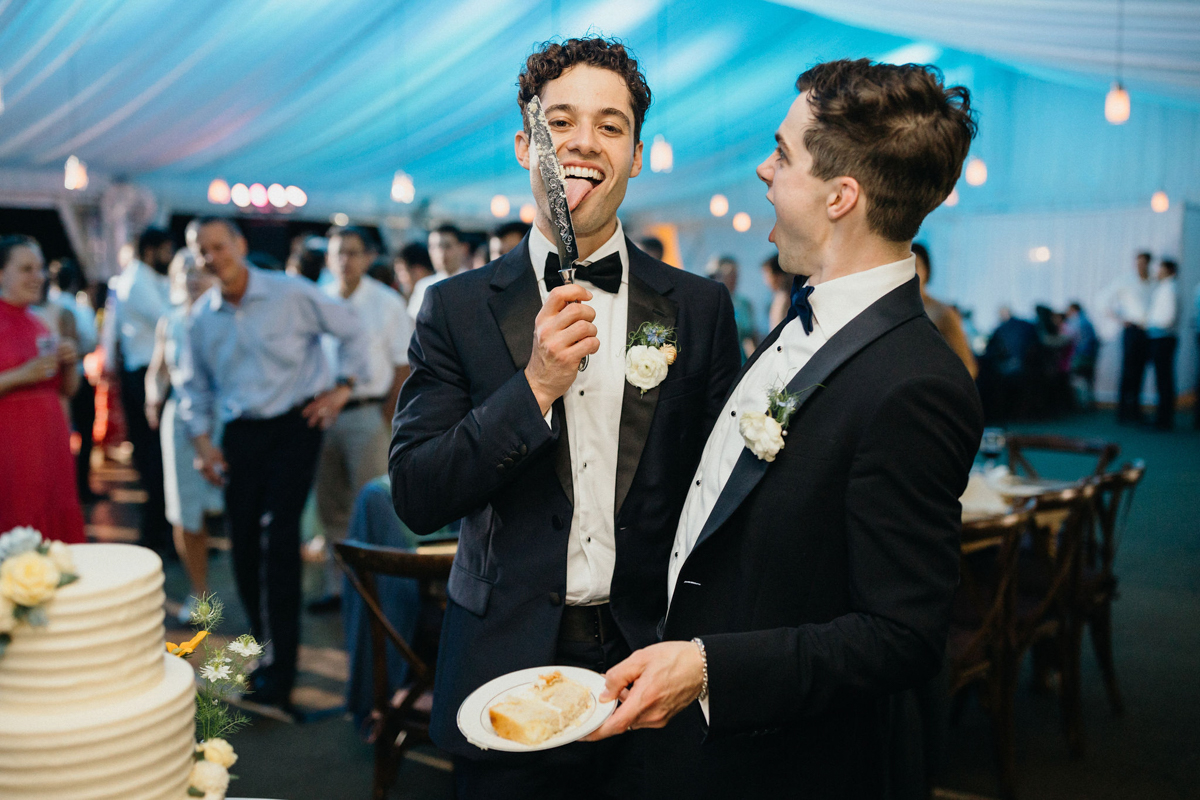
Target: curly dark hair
x=896 y=130
x=552 y=59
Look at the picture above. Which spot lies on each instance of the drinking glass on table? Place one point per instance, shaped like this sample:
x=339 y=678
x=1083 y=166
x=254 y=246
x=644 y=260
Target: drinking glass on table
x=991 y=446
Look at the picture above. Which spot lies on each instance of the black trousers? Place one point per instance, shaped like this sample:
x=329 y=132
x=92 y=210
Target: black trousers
x=1135 y=352
x=271 y=467
x=611 y=769
x=1162 y=355
x=83 y=417
x=147 y=458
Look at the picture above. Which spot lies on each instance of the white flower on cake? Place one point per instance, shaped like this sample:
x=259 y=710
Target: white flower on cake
x=28 y=579
x=245 y=647
x=7 y=619
x=60 y=554
x=219 y=672
x=763 y=434
x=218 y=751
x=209 y=777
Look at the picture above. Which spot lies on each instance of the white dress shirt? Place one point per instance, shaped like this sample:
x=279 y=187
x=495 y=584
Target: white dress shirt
x=388 y=330
x=1130 y=301
x=418 y=292
x=834 y=303
x=1162 y=318
x=141 y=298
x=593 y=409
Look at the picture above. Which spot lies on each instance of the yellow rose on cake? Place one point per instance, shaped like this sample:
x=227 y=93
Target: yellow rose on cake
x=28 y=579
x=218 y=751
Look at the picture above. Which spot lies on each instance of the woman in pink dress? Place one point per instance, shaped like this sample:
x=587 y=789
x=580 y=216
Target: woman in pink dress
x=37 y=472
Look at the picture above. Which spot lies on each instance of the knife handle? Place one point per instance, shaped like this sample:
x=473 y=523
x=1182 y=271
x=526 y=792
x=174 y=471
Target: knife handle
x=568 y=276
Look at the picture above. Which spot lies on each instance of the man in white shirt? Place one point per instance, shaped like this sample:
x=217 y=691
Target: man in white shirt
x=1129 y=303
x=140 y=296
x=568 y=481
x=450 y=255
x=1162 y=329
x=354 y=449
x=812 y=574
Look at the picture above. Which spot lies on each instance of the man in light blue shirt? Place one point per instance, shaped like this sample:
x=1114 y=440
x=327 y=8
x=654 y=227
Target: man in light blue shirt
x=254 y=358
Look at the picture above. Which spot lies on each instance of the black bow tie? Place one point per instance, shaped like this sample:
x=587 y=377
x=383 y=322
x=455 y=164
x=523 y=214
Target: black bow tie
x=603 y=274
x=800 y=306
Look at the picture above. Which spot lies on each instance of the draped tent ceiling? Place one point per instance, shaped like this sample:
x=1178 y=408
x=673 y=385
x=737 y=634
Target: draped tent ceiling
x=336 y=96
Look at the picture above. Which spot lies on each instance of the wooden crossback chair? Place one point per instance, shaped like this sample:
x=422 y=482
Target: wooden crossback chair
x=1097 y=587
x=399 y=720
x=1019 y=443
x=981 y=650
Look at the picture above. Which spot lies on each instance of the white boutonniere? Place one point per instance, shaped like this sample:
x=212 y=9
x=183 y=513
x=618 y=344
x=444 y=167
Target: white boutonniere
x=763 y=433
x=651 y=350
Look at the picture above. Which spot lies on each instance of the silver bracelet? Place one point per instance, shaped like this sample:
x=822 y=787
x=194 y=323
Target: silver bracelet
x=704 y=663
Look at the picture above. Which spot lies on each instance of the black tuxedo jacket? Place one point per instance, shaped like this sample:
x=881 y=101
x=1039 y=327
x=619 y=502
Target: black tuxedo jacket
x=822 y=582
x=470 y=442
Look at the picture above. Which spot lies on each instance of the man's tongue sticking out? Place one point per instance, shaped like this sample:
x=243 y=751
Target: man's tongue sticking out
x=577 y=189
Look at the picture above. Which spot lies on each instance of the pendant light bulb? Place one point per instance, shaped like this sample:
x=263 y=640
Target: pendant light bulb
x=1116 y=105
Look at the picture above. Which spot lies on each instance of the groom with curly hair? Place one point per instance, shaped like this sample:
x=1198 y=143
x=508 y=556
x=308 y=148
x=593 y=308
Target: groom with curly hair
x=569 y=474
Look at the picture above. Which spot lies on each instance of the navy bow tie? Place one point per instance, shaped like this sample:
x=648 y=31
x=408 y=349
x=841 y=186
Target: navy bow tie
x=603 y=274
x=800 y=306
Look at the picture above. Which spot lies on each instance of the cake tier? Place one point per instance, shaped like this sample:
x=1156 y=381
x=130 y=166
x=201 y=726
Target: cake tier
x=134 y=749
x=104 y=640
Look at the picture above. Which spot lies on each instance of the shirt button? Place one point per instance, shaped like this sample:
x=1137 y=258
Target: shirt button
x=589 y=539
x=676 y=554
x=581 y=392
x=697 y=482
x=779 y=349
x=733 y=413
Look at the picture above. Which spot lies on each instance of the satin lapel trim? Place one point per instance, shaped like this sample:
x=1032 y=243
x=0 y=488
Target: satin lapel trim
x=893 y=309
x=637 y=409
x=515 y=305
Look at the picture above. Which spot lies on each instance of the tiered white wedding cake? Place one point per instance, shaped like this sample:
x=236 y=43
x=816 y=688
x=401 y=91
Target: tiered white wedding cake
x=91 y=706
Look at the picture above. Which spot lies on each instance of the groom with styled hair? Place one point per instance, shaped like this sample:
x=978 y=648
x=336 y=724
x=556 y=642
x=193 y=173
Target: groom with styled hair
x=817 y=553
x=569 y=481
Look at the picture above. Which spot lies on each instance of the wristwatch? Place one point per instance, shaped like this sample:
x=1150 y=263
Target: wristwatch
x=346 y=380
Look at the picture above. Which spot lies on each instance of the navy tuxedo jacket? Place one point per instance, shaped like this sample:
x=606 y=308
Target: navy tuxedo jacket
x=470 y=442
x=822 y=581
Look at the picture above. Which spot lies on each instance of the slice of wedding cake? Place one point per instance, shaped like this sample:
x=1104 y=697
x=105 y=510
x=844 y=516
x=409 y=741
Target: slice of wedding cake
x=535 y=713
x=91 y=705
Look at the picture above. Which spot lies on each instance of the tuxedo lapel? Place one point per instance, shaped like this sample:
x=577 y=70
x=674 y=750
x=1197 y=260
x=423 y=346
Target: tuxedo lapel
x=515 y=305
x=647 y=303
x=893 y=309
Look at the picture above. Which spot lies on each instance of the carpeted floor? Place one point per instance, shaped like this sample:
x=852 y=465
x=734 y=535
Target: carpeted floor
x=1153 y=752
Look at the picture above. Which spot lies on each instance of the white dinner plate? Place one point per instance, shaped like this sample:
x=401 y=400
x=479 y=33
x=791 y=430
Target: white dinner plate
x=476 y=726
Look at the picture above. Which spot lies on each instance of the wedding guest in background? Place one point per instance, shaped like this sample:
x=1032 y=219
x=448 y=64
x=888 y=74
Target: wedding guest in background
x=568 y=483
x=653 y=247
x=60 y=321
x=140 y=298
x=480 y=252
x=307 y=259
x=1129 y=303
x=1162 y=329
x=381 y=269
x=780 y=284
x=189 y=497
x=505 y=238
x=1084 y=353
x=944 y=317
x=68 y=290
x=725 y=270
x=37 y=475
x=449 y=253
x=355 y=447
x=412 y=264
x=1010 y=367
x=254 y=361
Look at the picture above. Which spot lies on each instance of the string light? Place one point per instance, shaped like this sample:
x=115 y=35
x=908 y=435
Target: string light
x=258 y=195
x=1160 y=202
x=500 y=206
x=741 y=222
x=340 y=219
x=951 y=199
x=75 y=174
x=1116 y=105
x=1039 y=255
x=719 y=205
x=296 y=196
x=218 y=192
x=240 y=194
x=528 y=213
x=662 y=157
x=277 y=195
x=976 y=172
x=403 y=190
